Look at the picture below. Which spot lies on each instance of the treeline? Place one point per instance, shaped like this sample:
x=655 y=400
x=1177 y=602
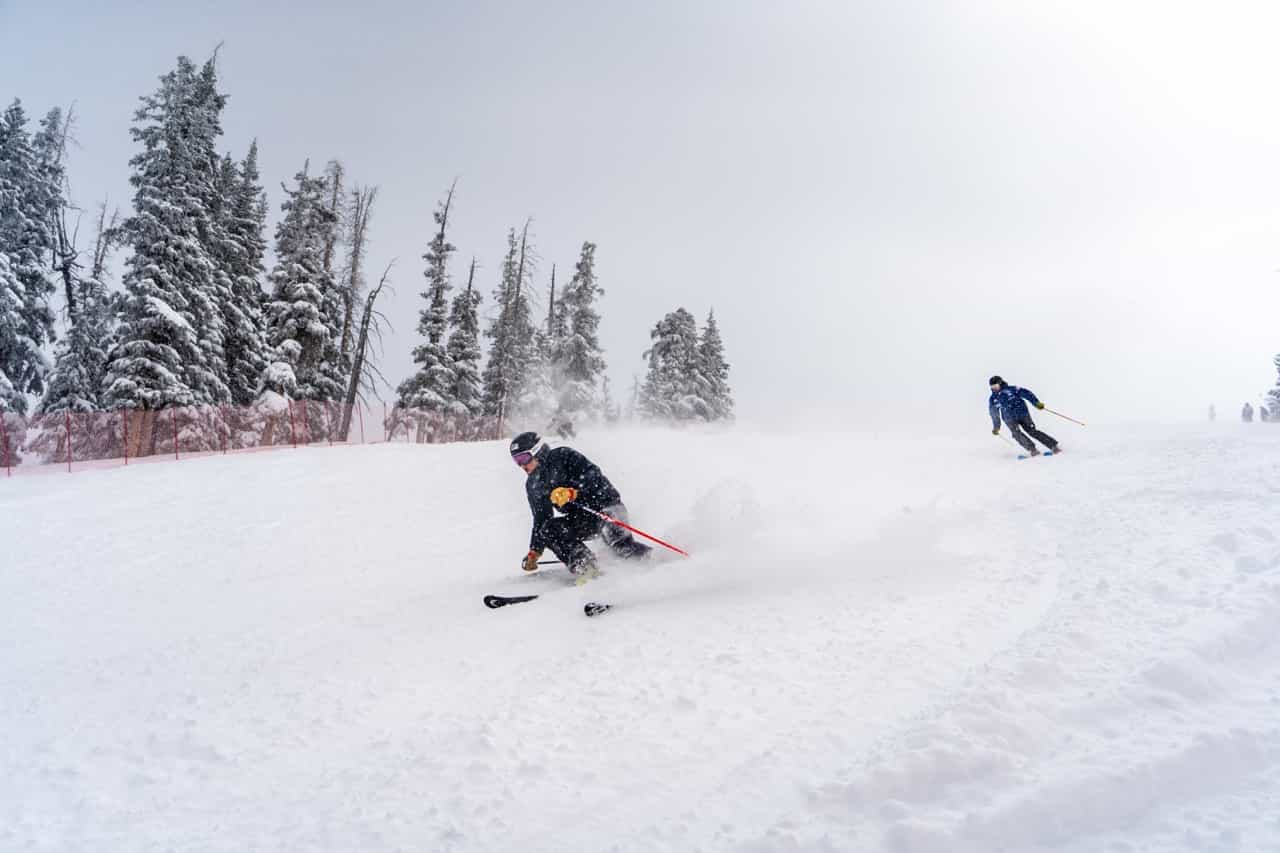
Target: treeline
x=203 y=317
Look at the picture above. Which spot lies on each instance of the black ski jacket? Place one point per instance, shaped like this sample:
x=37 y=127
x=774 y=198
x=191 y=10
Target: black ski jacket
x=564 y=466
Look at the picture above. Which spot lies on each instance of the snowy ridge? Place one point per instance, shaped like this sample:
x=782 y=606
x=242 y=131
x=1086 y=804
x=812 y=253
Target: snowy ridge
x=869 y=650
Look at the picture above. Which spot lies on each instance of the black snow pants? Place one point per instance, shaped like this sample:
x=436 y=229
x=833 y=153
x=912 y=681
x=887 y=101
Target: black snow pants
x=1024 y=429
x=566 y=535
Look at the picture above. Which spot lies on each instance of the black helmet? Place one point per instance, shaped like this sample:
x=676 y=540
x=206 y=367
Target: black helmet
x=527 y=446
x=996 y=380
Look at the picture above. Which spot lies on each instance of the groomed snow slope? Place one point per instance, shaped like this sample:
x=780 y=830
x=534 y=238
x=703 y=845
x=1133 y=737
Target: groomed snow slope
x=879 y=644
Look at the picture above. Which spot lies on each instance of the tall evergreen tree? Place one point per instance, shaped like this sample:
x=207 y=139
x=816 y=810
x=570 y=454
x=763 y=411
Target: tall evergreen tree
x=29 y=202
x=557 y=316
x=513 y=353
x=170 y=350
x=16 y=349
x=240 y=251
x=714 y=371
x=305 y=311
x=608 y=405
x=578 y=362
x=1273 y=396
x=671 y=389
x=430 y=387
x=464 y=349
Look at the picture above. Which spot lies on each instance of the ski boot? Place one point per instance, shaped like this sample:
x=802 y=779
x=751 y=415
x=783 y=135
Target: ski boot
x=582 y=565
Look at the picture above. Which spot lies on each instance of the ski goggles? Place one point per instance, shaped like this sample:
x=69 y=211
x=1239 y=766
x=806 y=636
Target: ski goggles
x=524 y=457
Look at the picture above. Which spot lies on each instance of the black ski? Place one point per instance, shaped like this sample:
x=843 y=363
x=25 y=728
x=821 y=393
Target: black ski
x=493 y=602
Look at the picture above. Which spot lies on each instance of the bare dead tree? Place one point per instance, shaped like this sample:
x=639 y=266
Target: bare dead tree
x=358 y=215
x=551 y=305
x=524 y=246
x=364 y=372
x=66 y=257
x=334 y=172
x=108 y=238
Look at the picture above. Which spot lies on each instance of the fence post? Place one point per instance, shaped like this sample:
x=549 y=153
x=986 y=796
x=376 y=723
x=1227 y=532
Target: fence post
x=4 y=434
x=306 y=423
x=174 y=417
x=68 y=414
x=226 y=428
x=328 y=427
x=386 y=428
x=293 y=431
x=360 y=413
x=124 y=417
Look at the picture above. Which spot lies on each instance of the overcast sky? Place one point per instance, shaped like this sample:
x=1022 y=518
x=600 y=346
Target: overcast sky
x=884 y=202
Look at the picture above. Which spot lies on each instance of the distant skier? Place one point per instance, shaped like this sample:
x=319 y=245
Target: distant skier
x=1263 y=414
x=563 y=479
x=1213 y=413
x=1007 y=401
x=561 y=426
x=1246 y=414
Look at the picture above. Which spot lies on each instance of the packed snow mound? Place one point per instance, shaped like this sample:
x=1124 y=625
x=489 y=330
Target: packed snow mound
x=878 y=644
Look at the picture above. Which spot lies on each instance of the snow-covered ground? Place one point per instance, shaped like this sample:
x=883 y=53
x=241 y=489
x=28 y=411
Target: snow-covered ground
x=879 y=644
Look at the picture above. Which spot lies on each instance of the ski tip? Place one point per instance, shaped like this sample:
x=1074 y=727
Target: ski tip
x=591 y=608
x=493 y=602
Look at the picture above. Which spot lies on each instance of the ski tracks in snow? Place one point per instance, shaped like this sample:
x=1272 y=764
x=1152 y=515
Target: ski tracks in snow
x=1141 y=712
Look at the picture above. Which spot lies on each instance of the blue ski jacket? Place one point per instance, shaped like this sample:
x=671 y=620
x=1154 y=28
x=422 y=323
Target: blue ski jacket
x=1008 y=402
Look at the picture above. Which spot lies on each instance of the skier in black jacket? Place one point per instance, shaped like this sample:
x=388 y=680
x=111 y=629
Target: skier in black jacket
x=562 y=478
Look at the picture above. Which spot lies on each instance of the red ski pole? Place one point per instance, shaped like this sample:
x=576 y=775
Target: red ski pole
x=625 y=526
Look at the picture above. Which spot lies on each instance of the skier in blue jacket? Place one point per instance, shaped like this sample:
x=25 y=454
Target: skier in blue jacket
x=1010 y=402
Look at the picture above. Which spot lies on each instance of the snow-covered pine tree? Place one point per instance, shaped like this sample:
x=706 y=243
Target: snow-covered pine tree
x=578 y=362
x=513 y=353
x=534 y=400
x=76 y=382
x=335 y=174
x=1273 y=396
x=609 y=406
x=304 y=313
x=633 y=399
x=715 y=371
x=16 y=349
x=550 y=375
x=169 y=349
x=673 y=385
x=29 y=202
x=240 y=251
x=557 y=315
x=431 y=385
x=464 y=350
x=206 y=186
